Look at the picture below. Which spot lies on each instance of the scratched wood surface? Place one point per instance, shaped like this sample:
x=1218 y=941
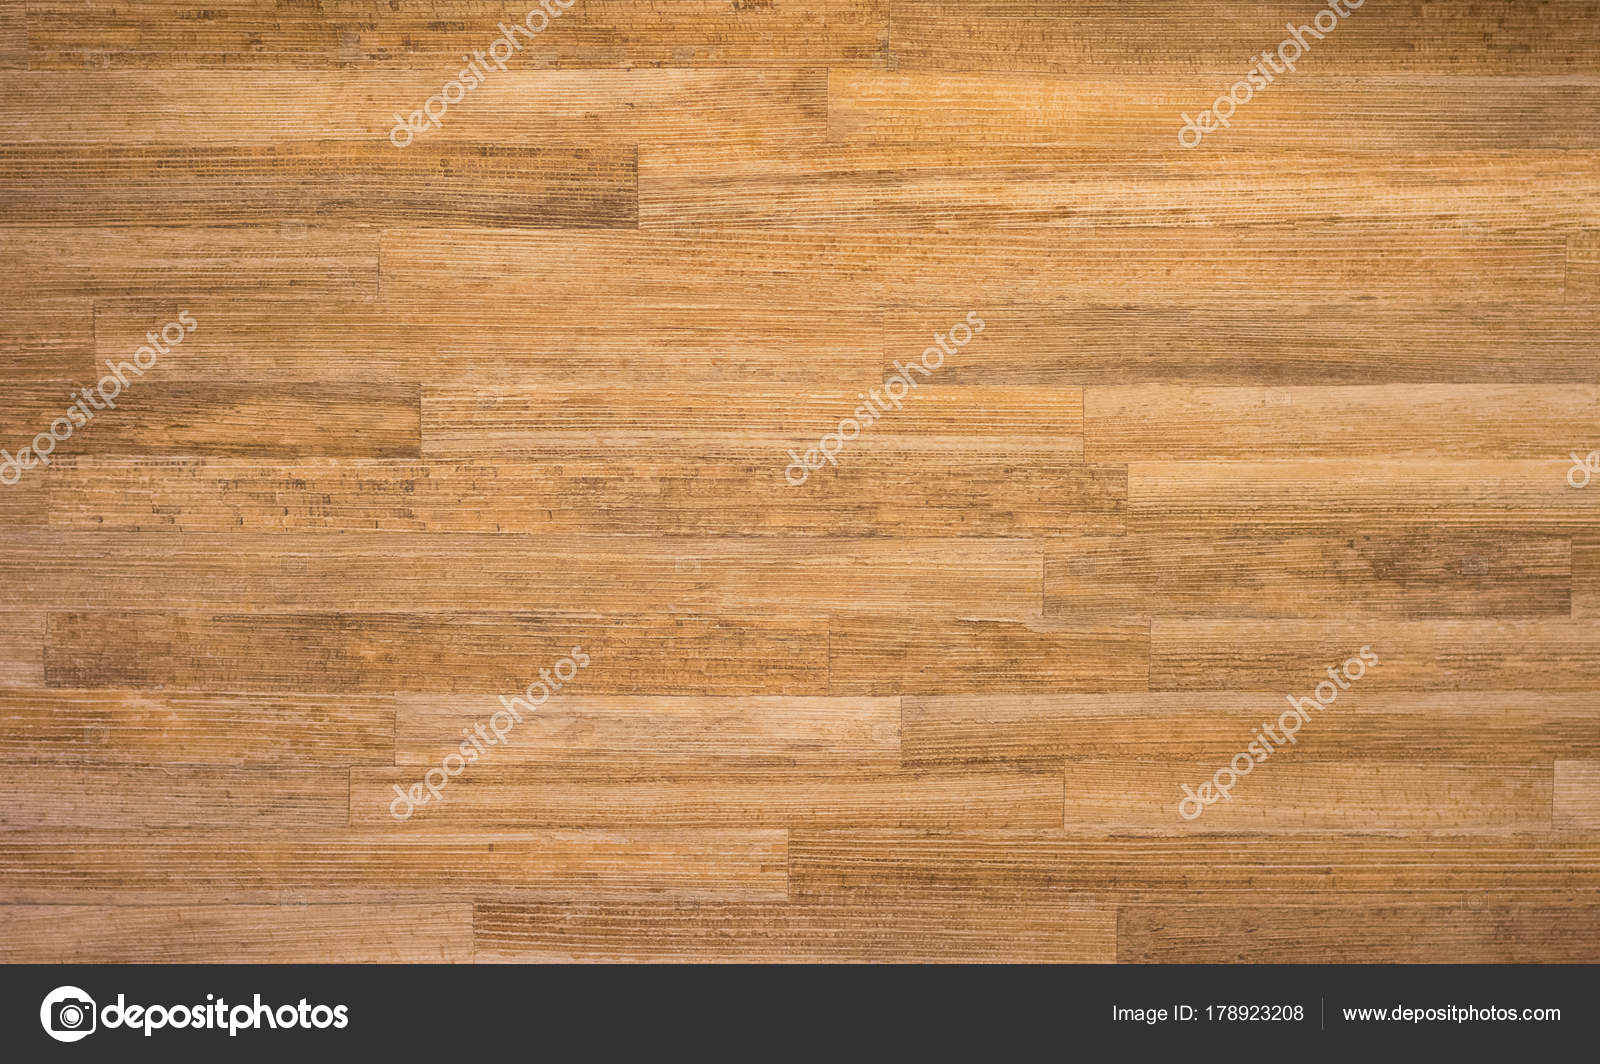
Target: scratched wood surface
x=452 y=411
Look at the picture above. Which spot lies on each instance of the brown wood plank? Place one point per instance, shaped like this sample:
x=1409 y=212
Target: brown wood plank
x=1154 y=422
x=882 y=493
x=1415 y=573
x=116 y=727
x=1043 y=930
x=72 y=798
x=48 y=340
x=1293 y=654
x=492 y=653
x=21 y=647
x=348 y=865
x=1577 y=795
x=1178 y=932
x=421 y=933
x=336 y=182
x=1583 y=266
x=1206 y=727
x=908 y=654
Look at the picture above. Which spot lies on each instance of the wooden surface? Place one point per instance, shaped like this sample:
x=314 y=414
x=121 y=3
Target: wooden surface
x=530 y=383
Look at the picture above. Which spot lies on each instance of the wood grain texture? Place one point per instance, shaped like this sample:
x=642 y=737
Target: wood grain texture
x=534 y=384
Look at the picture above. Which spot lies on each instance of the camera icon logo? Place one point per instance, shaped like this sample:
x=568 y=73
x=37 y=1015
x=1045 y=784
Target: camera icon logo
x=68 y=1014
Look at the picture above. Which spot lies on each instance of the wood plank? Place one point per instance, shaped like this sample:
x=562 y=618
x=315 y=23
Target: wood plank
x=1158 y=36
x=1248 y=341
x=116 y=727
x=154 y=416
x=337 y=182
x=169 y=263
x=1299 y=789
x=13 y=35
x=492 y=795
x=517 y=107
x=1360 y=494
x=1040 y=930
x=909 y=654
x=422 y=933
x=1043 y=265
x=1585 y=570
x=1577 y=795
x=176 y=34
x=21 y=646
x=1203 y=727
x=891 y=494
x=582 y=736
x=1182 y=933
x=443 y=344
x=879 y=864
x=1583 y=266
x=347 y=865
x=1154 y=422
x=757 y=426
x=1292 y=654
x=1385 y=111
x=73 y=798
x=985 y=186
x=492 y=653
x=386 y=573
x=1411 y=573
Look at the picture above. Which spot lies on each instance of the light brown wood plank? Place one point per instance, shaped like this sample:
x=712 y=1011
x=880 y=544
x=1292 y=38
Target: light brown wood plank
x=21 y=647
x=492 y=653
x=909 y=654
x=581 y=736
x=902 y=494
x=336 y=182
x=1042 y=930
x=757 y=426
x=1248 y=341
x=162 y=263
x=386 y=573
x=987 y=186
x=1158 y=36
x=517 y=107
x=1292 y=655
x=444 y=344
x=1035 y=265
x=423 y=933
x=47 y=340
x=878 y=864
x=490 y=795
x=255 y=34
x=1391 y=933
x=116 y=727
x=1360 y=495
x=73 y=798
x=335 y=866
x=1206 y=727
x=1577 y=795
x=1392 y=110
x=154 y=416
x=1415 y=573
x=1155 y=422
x=1586 y=567
x=1583 y=266
x=1300 y=789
